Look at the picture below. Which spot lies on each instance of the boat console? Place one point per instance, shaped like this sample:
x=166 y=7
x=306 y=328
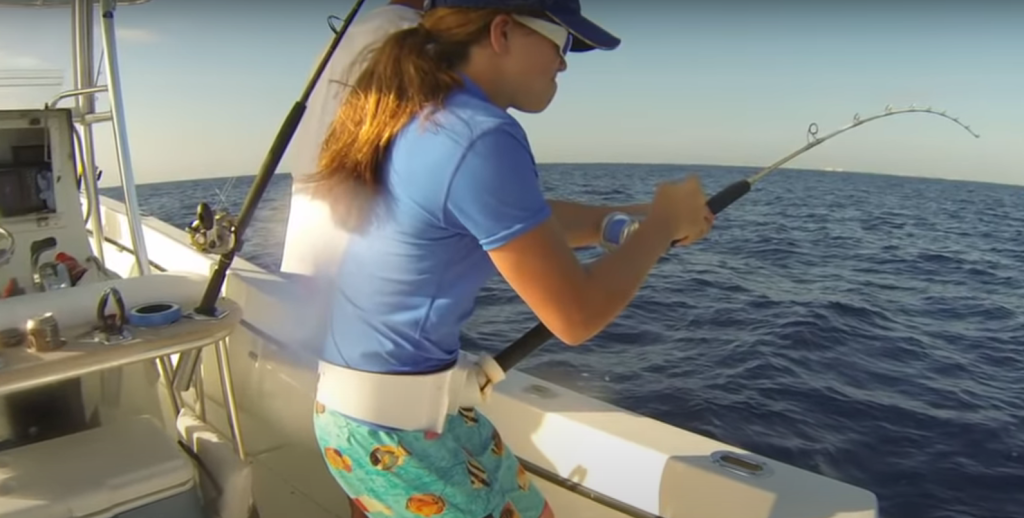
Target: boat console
x=40 y=208
x=67 y=327
x=44 y=248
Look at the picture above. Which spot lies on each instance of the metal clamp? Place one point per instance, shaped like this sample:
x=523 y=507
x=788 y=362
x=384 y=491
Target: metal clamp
x=111 y=327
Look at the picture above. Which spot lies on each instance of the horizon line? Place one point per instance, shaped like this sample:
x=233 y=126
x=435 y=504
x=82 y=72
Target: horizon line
x=752 y=168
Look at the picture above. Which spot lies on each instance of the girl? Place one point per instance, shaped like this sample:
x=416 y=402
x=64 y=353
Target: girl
x=437 y=188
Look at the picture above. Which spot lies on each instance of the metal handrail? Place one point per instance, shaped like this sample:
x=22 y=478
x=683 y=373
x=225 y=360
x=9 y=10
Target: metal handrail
x=75 y=93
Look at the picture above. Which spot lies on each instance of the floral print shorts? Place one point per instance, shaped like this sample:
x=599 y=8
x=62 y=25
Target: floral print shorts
x=464 y=472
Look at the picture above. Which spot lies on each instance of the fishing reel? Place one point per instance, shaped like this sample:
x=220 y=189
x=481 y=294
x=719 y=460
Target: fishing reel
x=212 y=232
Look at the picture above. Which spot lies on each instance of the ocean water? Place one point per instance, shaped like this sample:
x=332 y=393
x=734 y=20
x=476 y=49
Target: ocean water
x=866 y=327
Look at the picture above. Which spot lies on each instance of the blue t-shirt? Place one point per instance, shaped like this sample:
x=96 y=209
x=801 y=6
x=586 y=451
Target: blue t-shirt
x=457 y=184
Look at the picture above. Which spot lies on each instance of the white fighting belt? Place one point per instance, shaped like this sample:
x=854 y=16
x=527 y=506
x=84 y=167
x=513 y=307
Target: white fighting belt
x=408 y=401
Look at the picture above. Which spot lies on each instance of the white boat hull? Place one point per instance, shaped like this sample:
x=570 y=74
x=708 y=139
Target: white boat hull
x=642 y=466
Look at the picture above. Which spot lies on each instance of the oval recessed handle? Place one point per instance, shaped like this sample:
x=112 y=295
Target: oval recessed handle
x=741 y=464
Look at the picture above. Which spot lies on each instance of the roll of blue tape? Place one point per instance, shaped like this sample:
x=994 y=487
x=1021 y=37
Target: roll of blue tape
x=154 y=314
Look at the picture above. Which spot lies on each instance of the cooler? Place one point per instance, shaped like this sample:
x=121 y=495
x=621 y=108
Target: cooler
x=129 y=469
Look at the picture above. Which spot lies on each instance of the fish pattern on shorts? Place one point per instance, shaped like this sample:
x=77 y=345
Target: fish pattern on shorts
x=464 y=472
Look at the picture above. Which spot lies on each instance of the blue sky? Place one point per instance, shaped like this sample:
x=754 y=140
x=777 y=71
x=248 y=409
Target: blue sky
x=699 y=82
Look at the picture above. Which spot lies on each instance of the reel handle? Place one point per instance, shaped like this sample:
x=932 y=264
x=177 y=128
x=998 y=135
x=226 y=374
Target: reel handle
x=205 y=216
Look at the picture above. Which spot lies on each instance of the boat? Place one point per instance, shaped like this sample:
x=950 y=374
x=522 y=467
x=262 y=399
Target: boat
x=123 y=394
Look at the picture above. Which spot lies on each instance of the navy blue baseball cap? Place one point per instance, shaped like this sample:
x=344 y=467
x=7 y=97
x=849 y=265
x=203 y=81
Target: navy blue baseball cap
x=587 y=35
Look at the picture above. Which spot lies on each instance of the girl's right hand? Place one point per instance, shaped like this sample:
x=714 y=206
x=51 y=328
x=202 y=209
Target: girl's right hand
x=680 y=206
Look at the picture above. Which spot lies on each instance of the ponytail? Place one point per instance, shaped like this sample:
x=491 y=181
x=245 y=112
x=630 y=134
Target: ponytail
x=413 y=69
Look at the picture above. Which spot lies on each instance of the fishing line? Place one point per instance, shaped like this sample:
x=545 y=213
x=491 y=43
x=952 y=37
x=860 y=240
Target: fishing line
x=540 y=334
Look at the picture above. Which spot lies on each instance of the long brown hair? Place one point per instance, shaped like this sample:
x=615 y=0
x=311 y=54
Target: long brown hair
x=411 y=70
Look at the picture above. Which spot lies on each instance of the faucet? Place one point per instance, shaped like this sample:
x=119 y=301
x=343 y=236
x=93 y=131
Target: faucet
x=6 y=253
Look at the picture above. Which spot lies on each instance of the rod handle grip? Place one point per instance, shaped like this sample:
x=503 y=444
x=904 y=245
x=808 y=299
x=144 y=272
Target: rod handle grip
x=726 y=197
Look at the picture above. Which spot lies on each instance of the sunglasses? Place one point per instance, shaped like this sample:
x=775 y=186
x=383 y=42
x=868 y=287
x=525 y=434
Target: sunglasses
x=550 y=30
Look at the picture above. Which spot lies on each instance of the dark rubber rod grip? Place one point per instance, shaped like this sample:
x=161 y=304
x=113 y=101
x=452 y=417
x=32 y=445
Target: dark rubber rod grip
x=725 y=197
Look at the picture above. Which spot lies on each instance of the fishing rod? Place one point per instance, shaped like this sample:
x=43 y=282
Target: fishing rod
x=208 y=304
x=540 y=334
x=203 y=231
